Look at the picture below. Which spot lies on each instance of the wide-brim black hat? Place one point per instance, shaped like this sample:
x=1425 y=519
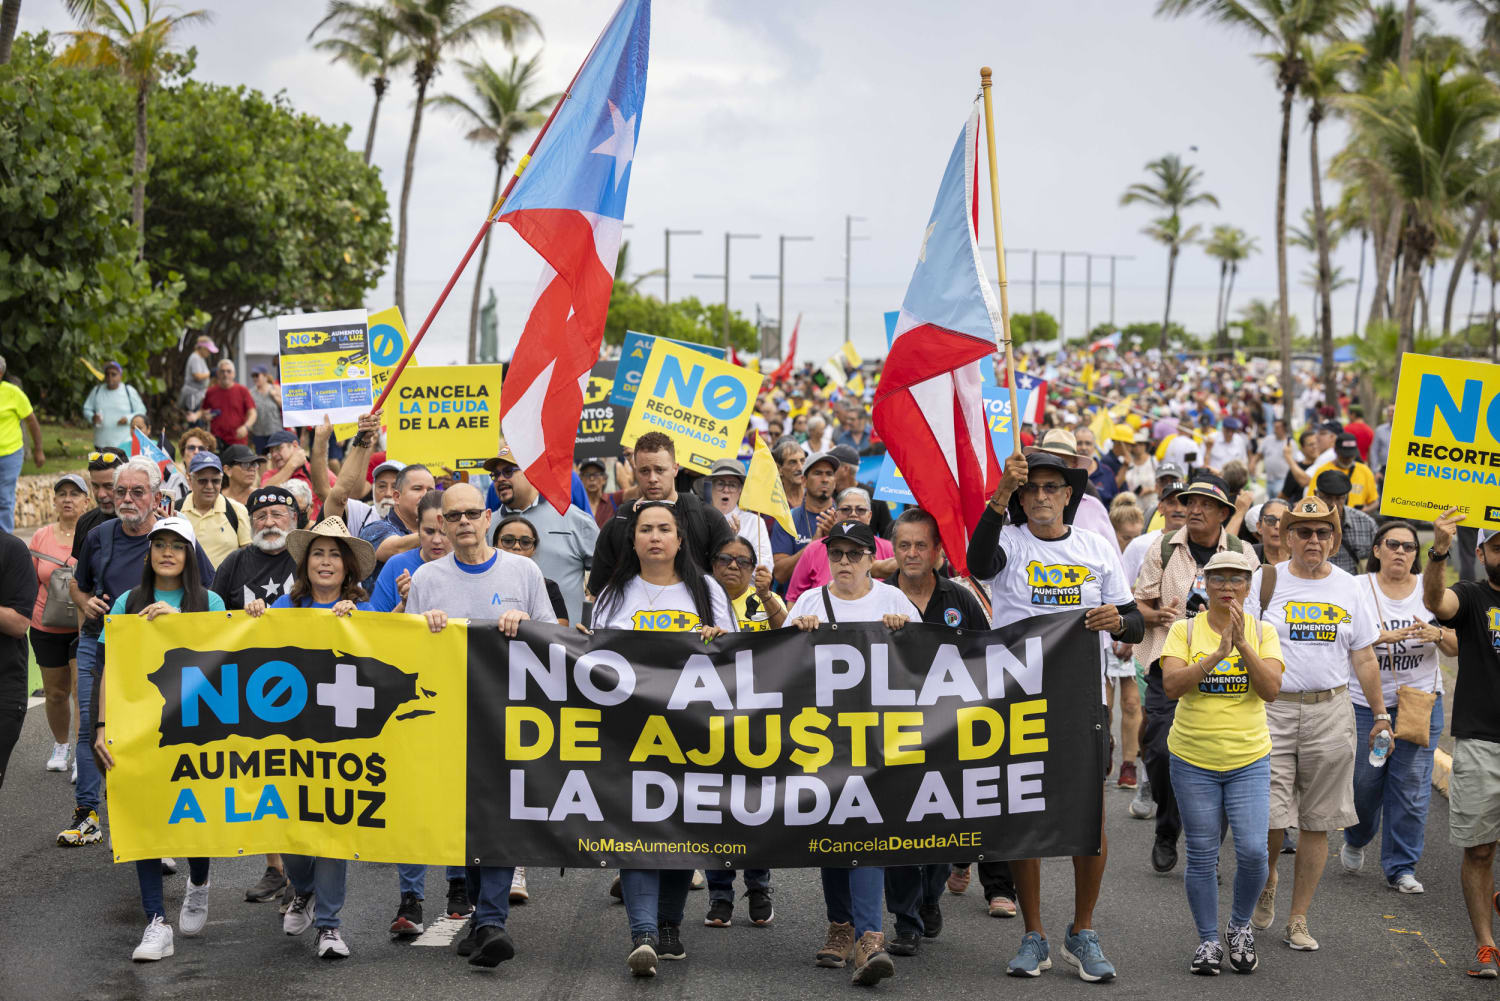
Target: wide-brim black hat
x=1077 y=479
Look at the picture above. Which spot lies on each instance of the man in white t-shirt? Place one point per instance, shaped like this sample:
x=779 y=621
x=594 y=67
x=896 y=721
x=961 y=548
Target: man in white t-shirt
x=1229 y=445
x=1040 y=564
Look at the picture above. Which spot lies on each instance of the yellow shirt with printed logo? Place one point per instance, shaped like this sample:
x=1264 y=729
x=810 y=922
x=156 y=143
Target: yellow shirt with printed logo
x=1220 y=724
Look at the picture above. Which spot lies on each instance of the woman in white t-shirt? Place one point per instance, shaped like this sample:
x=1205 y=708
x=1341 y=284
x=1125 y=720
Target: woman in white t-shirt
x=853 y=897
x=658 y=587
x=1407 y=651
x=1324 y=621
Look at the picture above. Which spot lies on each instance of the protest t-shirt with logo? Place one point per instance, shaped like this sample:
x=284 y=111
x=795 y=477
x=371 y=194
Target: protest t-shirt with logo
x=172 y=597
x=1318 y=622
x=662 y=608
x=882 y=600
x=1476 y=695
x=1413 y=662
x=1041 y=576
x=751 y=613
x=249 y=573
x=1220 y=725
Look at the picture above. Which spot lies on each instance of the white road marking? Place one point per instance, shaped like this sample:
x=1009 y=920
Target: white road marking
x=34 y=701
x=441 y=932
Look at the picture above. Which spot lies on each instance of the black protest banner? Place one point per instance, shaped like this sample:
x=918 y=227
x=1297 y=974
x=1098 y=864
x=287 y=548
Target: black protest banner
x=600 y=423
x=850 y=745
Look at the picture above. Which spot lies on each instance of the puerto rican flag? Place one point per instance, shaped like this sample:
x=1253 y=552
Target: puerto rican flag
x=1031 y=398
x=569 y=205
x=929 y=407
x=1108 y=341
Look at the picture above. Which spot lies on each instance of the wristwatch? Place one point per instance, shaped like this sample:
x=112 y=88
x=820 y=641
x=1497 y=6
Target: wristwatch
x=1435 y=556
x=1382 y=717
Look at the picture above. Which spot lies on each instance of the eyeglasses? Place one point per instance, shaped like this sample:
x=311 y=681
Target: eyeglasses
x=191 y=447
x=1396 y=545
x=453 y=517
x=516 y=541
x=726 y=561
x=1270 y=519
x=169 y=545
x=846 y=555
x=1049 y=489
x=139 y=493
x=851 y=509
x=1226 y=578
x=505 y=472
x=1308 y=532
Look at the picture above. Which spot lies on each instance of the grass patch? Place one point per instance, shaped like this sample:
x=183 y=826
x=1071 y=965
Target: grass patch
x=66 y=444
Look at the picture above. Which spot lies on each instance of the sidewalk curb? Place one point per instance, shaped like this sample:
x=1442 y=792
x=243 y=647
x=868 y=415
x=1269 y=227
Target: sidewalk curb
x=1442 y=770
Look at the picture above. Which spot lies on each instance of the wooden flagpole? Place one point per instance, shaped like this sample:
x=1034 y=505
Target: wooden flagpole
x=1005 y=345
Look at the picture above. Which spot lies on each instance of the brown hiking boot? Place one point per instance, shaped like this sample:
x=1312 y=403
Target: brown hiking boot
x=838 y=947
x=872 y=963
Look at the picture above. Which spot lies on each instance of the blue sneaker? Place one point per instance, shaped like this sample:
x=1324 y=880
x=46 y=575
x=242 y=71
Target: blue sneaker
x=1032 y=958
x=1082 y=950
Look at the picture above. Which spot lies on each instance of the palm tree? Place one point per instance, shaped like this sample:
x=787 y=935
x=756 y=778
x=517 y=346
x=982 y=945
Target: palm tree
x=10 y=16
x=1283 y=24
x=133 y=38
x=1173 y=191
x=505 y=108
x=369 y=43
x=622 y=268
x=1322 y=82
x=434 y=29
x=1229 y=245
x=1426 y=132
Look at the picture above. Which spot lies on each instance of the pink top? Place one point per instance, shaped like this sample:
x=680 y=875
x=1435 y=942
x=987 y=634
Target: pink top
x=812 y=569
x=45 y=541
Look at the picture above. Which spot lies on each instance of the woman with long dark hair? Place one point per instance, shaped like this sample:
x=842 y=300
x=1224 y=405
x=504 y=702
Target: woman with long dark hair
x=330 y=565
x=170 y=583
x=657 y=586
x=1407 y=652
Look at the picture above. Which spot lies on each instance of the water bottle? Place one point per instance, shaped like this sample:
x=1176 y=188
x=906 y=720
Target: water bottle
x=1381 y=749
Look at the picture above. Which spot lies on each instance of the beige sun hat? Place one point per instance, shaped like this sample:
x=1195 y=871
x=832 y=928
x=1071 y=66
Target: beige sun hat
x=298 y=541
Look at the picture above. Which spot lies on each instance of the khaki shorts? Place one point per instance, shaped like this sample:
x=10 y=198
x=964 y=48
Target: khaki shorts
x=1312 y=764
x=1474 y=793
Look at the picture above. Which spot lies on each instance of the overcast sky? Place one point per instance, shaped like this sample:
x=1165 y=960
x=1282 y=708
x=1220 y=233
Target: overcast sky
x=783 y=116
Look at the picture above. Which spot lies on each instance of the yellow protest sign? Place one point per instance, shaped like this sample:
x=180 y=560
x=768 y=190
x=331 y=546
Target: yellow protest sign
x=388 y=341
x=701 y=403
x=229 y=741
x=1445 y=441
x=446 y=416
x=764 y=492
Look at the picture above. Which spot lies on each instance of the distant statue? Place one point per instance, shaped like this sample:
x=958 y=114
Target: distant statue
x=489 y=330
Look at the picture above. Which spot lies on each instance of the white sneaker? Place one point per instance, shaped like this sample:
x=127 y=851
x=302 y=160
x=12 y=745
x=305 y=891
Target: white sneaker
x=1407 y=883
x=168 y=866
x=331 y=944
x=1351 y=858
x=73 y=778
x=59 y=760
x=698 y=882
x=518 y=892
x=299 y=916
x=194 y=913
x=156 y=943
x=1141 y=805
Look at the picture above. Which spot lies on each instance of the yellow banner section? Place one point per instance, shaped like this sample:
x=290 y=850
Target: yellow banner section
x=1445 y=441
x=701 y=403
x=388 y=342
x=446 y=416
x=229 y=742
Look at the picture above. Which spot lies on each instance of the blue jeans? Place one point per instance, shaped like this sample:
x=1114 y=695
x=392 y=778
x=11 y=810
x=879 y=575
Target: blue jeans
x=654 y=897
x=148 y=874
x=411 y=877
x=323 y=876
x=721 y=882
x=10 y=472
x=854 y=896
x=90 y=666
x=909 y=888
x=1400 y=792
x=1205 y=798
x=489 y=891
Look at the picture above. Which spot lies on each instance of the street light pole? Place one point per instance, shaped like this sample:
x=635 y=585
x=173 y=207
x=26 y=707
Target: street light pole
x=666 y=267
x=780 y=277
x=849 y=221
x=727 y=238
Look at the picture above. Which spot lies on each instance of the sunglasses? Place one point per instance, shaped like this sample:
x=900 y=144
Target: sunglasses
x=453 y=517
x=505 y=472
x=1397 y=546
x=1269 y=519
x=517 y=542
x=106 y=458
x=726 y=561
x=1308 y=532
x=846 y=555
x=1227 y=578
x=852 y=509
x=1049 y=489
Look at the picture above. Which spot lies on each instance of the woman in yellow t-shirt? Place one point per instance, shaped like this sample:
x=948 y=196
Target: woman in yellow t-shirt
x=1223 y=668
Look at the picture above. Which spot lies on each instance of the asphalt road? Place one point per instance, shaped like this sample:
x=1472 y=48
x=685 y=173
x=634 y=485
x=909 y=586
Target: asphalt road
x=72 y=919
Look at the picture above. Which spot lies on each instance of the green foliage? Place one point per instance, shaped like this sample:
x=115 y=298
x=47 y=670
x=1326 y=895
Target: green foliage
x=70 y=284
x=1148 y=335
x=681 y=320
x=1028 y=327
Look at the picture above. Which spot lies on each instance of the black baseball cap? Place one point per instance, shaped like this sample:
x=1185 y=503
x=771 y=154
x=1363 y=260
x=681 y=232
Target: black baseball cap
x=856 y=532
x=1346 y=442
x=280 y=438
x=236 y=455
x=1333 y=483
x=266 y=496
x=1333 y=426
x=1173 y=489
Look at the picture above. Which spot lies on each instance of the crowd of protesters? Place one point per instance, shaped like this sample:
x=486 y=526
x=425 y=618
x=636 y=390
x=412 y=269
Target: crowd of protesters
x=1203 y=518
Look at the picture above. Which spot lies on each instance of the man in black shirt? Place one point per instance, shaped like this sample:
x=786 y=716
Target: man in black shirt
x=17 y=599
x=102 y=477
x=912 y=892
x=263 y=569
x=1472 y=609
